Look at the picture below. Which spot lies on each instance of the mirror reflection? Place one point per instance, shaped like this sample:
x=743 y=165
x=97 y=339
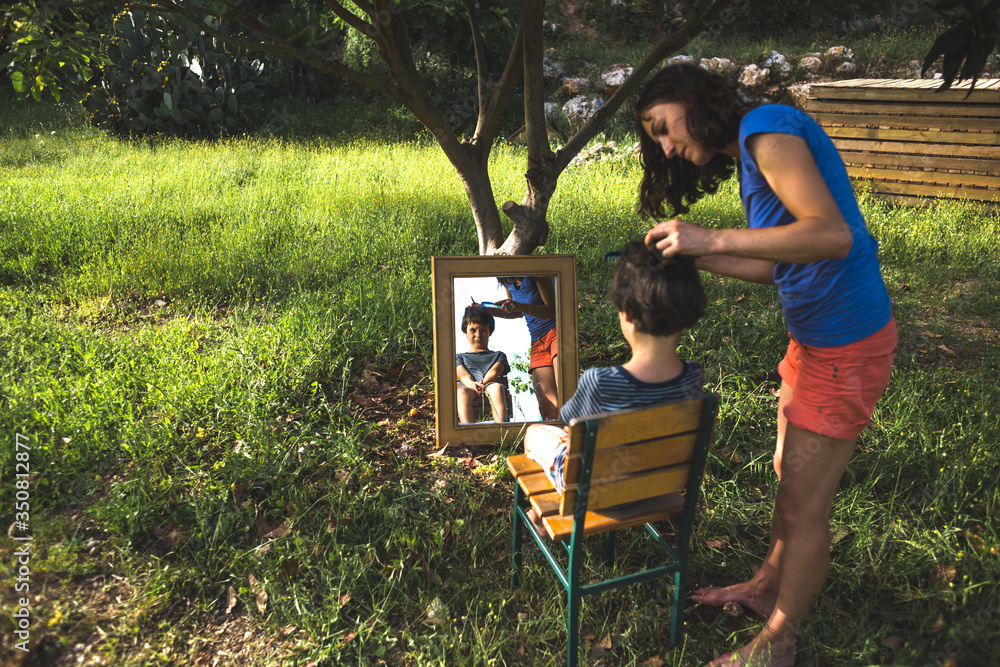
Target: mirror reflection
x=506 y=362
x=523 y=295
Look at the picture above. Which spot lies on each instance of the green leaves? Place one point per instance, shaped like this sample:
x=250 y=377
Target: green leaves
x=965 y=46
x=164 y=77
x=50 y=48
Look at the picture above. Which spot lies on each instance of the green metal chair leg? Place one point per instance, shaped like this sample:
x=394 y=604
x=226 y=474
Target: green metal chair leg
x=677 y=622
x=573 y=625
x=516 y=555
x=609 y=547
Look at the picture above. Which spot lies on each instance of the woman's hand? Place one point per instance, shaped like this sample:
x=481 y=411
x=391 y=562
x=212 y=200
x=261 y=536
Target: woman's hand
x=680 y=237
x=507 y=309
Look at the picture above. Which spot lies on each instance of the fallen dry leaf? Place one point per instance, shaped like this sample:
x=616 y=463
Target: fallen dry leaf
x=893 y=642
x=597 y=649
x=260 y=522
x=344 y=599
x=948 y=350
x=282 y=528
x=945 y=574
x=240 y=498
x=361 y=400
x=231 y=600
x=732 y=609
x=258 y=590
x=435 y=612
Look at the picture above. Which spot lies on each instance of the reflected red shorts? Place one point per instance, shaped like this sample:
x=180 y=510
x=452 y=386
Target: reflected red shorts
x=543 y=351
x=835 y=388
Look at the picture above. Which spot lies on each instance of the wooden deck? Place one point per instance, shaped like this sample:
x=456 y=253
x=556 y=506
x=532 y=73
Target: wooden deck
x=912 y=142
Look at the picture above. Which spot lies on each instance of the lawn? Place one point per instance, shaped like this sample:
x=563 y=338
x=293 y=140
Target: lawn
x=217 y=362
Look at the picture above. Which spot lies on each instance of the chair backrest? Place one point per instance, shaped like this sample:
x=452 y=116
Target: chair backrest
x=637 y=453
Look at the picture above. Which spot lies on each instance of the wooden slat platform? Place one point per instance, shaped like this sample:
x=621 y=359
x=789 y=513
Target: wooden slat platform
x=911 y=141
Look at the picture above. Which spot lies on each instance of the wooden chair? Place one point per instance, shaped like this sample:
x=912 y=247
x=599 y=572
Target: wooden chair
x=645 y=454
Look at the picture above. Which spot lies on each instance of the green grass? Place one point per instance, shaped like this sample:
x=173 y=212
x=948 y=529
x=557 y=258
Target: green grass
x=184 y=325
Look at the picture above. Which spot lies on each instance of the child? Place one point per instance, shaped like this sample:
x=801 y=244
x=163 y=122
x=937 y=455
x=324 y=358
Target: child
x=657 y=299
x=481 y=370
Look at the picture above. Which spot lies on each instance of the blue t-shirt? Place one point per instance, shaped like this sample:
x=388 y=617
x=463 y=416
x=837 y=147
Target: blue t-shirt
x=527 y=292
x=479 y=363
x=832 y=302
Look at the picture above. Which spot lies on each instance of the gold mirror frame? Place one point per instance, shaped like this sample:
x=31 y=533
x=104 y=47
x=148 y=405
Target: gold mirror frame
x=444 y=271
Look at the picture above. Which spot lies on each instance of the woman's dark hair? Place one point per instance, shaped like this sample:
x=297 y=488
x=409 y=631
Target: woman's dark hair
x=713 y=120
x=660 y=295
x=476 y=314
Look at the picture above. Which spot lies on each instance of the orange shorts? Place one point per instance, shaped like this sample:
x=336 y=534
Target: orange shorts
x=543 y=351
x=835 y=388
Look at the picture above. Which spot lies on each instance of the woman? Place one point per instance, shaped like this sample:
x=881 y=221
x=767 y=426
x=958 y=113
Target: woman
x=807 y=235
x=534 y=299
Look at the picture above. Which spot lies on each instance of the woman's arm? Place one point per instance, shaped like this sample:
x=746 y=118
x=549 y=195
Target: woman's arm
x=752 y=270
x=543 y=311
x=501 y=312
x=819 y=231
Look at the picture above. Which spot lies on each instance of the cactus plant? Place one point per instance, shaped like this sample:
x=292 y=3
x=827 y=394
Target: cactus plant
x=165 y=80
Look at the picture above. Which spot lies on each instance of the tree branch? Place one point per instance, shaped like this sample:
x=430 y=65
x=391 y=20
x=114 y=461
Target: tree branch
x=534 y=84
x=480 y=48
x=352 y=20
x=703 y=13
x=491 y=112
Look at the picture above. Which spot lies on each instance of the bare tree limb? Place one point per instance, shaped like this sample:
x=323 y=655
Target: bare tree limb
x=491 y=112
x=480 y=49
x=703 y=13
x=534 y=83
x=350 y=19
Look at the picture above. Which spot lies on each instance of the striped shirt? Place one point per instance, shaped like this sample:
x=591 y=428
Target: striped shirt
x=614 y=388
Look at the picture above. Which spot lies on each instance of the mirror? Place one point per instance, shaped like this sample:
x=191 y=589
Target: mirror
x=492 y=395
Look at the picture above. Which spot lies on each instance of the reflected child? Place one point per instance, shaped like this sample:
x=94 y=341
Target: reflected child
x=481 y=371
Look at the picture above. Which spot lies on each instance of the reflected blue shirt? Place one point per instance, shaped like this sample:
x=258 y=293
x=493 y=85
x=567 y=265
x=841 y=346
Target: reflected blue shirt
x=527 y=292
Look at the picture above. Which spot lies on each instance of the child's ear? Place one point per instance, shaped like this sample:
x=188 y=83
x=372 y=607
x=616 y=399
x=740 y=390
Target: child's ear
x=624 y=316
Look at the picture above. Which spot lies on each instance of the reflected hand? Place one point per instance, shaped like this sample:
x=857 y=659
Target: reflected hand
x=506 y=305
x=678 y=236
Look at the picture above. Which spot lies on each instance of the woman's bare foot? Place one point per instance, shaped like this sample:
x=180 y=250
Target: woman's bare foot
x=759 y=653
x=755 y=596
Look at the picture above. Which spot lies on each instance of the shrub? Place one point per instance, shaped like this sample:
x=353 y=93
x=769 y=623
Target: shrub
x=165 y=80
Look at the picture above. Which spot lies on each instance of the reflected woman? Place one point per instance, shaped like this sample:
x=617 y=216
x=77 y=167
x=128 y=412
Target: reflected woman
x=534 y=299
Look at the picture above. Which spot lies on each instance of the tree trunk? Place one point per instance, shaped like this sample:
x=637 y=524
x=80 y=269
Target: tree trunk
x=478 y=188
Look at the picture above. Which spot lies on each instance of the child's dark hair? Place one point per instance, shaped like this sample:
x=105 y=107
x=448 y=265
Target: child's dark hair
x=478 y=315
x=661 y=296
x=713 y=120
